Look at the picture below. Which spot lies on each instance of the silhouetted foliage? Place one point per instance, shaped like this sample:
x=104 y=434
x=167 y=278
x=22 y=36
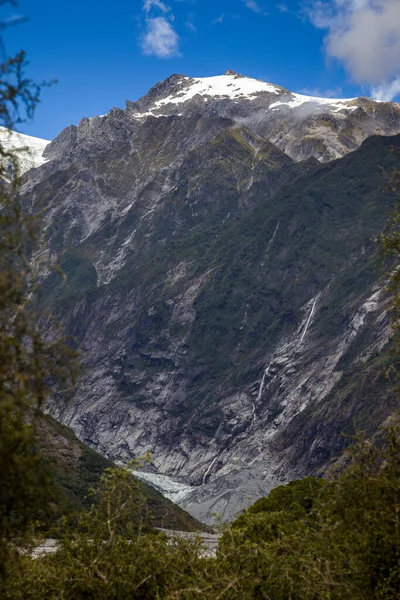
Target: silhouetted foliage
x=30 y=366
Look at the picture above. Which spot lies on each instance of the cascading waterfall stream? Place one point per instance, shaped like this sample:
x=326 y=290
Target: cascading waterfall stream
x=310 y=316
x=255 y=402
x=210 y=466
x=266 y=370
x=272 y=238
x=253 y=166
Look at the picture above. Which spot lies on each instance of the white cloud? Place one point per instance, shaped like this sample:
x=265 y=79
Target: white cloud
x=254 y=6
x=149 y=4
x=365 y=36
x=386 y=91
x=160 y=39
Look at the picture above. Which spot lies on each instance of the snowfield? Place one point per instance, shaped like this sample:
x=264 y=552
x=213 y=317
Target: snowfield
x=237 y=87
x=29 y=150
x=230 y=86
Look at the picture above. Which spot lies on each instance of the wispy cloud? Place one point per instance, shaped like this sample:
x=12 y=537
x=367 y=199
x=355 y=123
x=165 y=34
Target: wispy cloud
x=160 y=38
x=13 y=20
x=149 y=4
x=283 y=8
x=318 y=93
x=365 y=36
x=386 y=91
x=190 y=23
x=218 y=20
x=254 y=6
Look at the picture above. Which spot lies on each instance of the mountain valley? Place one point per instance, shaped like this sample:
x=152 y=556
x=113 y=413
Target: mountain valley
x=222 y=282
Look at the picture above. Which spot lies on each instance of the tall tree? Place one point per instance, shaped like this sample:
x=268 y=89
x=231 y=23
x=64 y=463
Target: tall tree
x=30 y=367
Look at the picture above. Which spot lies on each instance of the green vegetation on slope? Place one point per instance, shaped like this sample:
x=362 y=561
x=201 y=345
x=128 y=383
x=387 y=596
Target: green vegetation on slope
x=334 y=539
x=76 y=469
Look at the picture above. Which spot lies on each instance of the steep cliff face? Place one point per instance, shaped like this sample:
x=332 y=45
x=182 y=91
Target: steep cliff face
x=221 y=281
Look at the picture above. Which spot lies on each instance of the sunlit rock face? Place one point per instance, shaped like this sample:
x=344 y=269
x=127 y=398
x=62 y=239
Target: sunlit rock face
x=222 y=283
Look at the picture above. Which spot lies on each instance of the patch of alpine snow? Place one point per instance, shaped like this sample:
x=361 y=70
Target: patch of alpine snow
x=151 y=114
x=28 y=149
x=145 y=114
x=299 y=99
x=230 y=86
x=171 y=489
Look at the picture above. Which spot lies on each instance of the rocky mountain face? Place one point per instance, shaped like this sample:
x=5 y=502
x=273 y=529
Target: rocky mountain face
x=222 y=282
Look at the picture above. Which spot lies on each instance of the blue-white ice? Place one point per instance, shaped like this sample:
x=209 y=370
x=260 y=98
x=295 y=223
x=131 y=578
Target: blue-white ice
x=174 y=490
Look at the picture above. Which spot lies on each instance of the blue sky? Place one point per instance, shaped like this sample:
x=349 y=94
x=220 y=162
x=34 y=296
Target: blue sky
x=103 y=53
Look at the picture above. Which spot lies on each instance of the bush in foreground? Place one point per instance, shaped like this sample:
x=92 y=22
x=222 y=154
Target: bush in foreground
x=310 y=540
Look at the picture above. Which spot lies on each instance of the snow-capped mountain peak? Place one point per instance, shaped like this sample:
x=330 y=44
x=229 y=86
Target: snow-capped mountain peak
x=171 y=95
x=228 y=85
x=29 y=150
x=300 y=125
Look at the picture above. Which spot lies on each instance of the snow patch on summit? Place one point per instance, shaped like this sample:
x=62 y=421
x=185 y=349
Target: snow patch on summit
x=297 y=100
x=29 y=150
x=231 y=86
x=237 y=87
